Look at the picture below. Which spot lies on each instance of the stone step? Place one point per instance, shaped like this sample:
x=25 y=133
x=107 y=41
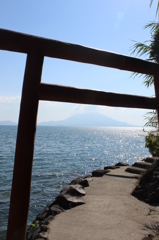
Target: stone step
x=145 y=165
x=149 y=159
x=135 y=170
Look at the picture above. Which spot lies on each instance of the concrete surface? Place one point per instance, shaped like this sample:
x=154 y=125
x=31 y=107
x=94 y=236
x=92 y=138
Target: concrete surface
x=110 y=212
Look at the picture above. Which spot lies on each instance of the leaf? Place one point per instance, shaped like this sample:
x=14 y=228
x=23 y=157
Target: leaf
x=148 y=80
x=151 y=118
x=154 y=26
x=157 y=10
x=32 y=225
x=141 y=49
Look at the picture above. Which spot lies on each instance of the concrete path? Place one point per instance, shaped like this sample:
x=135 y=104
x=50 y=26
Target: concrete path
x=110 y=212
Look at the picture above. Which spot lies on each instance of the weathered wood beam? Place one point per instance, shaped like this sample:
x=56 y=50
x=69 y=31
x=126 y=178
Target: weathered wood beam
x=58 y=93
x=21 y=184
x=19 y=42
x=156 y=86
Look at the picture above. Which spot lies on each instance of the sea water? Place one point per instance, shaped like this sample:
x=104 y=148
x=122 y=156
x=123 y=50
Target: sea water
x=62 y=154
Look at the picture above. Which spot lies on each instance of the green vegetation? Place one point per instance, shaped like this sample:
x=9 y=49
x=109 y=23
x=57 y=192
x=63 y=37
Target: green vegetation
x=152 y=143
x=157 y=9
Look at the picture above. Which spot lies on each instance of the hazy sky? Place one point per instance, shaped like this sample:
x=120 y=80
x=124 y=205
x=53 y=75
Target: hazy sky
x=102 y=24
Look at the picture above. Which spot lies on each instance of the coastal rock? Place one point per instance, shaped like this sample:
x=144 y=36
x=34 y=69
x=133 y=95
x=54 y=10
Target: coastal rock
x=122 y=164
x=48 y=220
x=41 y=216
x=44 y=228
x=87 y=176
x=70 y=196
x=82 y=181
x=67 y=201
x=99 y=173
x=34 y=234
x=40 y=238
x=43 y=235
x=111 y=167
x=54 y=210
x=74 y=190
x=31 y=231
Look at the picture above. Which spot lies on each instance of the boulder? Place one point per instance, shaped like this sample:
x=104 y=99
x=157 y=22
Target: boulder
x=41 y=216
x=48 y=220
x=31 y=231
x=44 y=228
x=67 y=201
x=74 y=190
x=43 y=235
x=54 y=210
x=99 y=173
x=82 y=181
x=122 y=164
x=111 y=167
x=34 y=234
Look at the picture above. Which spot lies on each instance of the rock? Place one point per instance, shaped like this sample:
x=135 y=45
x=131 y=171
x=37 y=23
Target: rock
x=44 y=228
x=41 y=216
x=62 y=203
x=39 y=238
x=90 y=179
x=122 y=164
x=30 y=232
x=67 y=201
x=111 y=167
x=35 y=233
x=74 y=190
x=37 y=223
x=43 y=235
x=54 y=210
x=82 y=181
x=47 y=207
x=48 y=220
x=99 y=173
x=147 y=189
x=87 y=176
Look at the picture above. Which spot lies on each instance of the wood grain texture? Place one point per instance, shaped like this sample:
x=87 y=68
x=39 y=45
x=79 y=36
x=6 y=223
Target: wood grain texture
x=59 y=93
x=19 y=42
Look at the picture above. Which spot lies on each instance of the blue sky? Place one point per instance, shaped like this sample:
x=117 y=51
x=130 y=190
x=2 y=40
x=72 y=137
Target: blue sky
x=107 y=25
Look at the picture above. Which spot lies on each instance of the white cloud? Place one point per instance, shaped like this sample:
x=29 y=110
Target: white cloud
x=12 y=99
x=9 y=108
x=129 y=115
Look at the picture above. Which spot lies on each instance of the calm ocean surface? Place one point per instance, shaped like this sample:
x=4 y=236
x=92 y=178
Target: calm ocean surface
x=61 y=154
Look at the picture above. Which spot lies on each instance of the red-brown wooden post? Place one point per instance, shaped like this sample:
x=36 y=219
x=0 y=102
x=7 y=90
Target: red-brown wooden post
x=156 y=85
x=21 y=184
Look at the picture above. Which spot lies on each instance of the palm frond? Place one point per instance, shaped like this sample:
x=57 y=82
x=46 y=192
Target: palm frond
x=154 y=26
x=135 y=74
x=157 y=10
x=151 y=3
x=141 y=49
x=151 y=118
x=148 y=80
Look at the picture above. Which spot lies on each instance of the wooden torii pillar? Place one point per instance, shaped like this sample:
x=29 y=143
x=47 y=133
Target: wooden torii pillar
x=156 y=86
x=20 y=194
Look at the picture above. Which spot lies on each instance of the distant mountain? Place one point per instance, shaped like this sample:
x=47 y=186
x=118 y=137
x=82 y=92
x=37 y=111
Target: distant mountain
x=7 y=123
x=87 y=119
